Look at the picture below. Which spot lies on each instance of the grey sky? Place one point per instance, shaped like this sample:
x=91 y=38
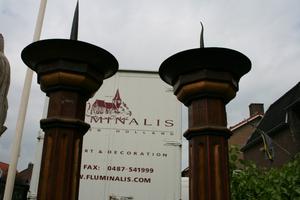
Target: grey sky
x=141 y=34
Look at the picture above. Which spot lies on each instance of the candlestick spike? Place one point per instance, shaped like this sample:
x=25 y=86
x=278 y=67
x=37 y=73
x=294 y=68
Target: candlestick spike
x=74 y=30
x=201 y=36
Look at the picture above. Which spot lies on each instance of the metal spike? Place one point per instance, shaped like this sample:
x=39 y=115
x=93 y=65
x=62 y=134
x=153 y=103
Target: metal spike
x=1 y=43
x=74 y=30
x=201 y=36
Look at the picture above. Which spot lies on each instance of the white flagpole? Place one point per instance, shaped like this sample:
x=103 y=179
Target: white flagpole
x=9 y=186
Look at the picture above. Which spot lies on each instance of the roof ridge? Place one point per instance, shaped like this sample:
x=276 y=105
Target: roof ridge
x=284 y=95
x=245 y=121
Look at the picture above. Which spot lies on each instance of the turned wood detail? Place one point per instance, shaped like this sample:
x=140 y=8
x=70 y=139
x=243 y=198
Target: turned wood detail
x=208 y=161
x=64 y=128
x=205 y=88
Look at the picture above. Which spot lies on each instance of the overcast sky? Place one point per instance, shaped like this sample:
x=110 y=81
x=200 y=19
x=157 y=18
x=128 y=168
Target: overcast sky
x=141 y=34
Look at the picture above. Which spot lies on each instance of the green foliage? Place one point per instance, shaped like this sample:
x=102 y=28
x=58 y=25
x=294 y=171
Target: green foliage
x=248 y=182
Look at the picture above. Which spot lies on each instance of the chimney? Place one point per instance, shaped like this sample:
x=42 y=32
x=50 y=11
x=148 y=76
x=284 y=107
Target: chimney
x=256 y=109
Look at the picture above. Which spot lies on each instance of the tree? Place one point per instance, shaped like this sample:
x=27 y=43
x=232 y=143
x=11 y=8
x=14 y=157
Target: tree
x=249 y=182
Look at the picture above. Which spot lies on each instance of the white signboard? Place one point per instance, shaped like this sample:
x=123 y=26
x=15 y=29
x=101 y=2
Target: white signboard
x=133 y=149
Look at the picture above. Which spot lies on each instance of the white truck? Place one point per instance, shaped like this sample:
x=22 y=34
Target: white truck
x=133 y=148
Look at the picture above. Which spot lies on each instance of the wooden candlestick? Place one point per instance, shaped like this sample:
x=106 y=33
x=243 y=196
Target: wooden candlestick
x=205 y=80
x=69 y=72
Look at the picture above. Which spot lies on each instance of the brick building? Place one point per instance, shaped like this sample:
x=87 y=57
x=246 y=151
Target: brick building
x=281 y=123
x=22 y=181
x=242 y=131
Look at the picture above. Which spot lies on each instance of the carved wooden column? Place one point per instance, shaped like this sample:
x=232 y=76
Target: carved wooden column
x=69 y=72
x=205 y=80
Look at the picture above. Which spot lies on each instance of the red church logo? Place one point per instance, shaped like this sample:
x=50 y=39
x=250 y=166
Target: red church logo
x=113 y=108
